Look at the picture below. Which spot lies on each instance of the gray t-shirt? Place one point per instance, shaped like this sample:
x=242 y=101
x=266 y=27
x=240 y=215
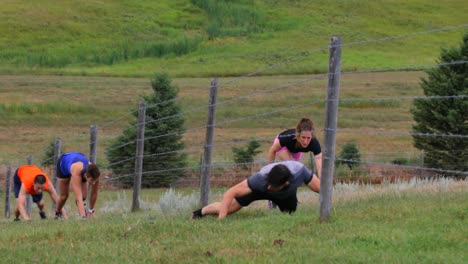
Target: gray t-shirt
x=300 y=174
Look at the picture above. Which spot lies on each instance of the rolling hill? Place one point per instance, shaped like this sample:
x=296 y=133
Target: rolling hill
x=206 y=38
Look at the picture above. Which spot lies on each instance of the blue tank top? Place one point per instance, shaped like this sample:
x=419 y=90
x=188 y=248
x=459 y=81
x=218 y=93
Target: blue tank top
x=69 y=158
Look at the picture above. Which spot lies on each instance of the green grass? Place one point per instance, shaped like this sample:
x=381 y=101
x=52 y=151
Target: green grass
x=218 y=38
x=116 y=47
x=43 y=108
x=414 y=225
x=35 y=109
x=114 y=43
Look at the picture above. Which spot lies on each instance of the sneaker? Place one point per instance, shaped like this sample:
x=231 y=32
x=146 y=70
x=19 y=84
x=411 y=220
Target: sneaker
x=16 y=220
x=197 y=214
x=43 y=215
x=271 y=205
x=58 y=216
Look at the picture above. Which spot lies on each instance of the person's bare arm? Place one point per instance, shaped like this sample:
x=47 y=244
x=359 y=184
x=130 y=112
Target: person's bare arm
x=94 y=196
x=54 y=197
x=53 y=194
x=318 y=164
x=239 y=189
x=272 y=152
x=21 y=201
x=76 y=182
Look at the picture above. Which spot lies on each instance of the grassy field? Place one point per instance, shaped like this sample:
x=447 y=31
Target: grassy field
x=418 y=222
x=119 y=46
x=203 y=38
x=36 y=109
x=67 y=65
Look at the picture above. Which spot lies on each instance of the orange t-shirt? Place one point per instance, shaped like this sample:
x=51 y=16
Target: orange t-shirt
x=27 y=173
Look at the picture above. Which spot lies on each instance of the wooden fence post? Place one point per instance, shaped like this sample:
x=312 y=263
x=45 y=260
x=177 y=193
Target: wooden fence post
x=312 y=163
x=29 y=197
x=92 y=155
x=331 y=120
x=7 y=192
x=421 y=164
x=206 y=166
x=139 y=156
x=57 y=153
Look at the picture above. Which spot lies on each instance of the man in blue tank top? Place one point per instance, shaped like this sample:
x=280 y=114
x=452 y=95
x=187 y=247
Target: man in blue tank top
x=277 y=182
x=73 y=168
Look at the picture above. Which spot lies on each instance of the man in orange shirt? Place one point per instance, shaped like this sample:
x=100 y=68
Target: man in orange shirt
x=29 y=179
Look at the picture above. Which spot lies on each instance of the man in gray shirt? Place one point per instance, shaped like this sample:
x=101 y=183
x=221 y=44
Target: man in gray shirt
x=277 y=182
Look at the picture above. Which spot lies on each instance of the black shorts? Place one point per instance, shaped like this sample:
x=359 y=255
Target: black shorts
x=60 y=174
x=288 y=204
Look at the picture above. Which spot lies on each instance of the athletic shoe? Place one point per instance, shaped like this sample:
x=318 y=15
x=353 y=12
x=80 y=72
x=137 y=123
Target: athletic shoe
x=16 y=220
x=271 y=205
x=43 y=215
x=197 y=214
x=58 y=216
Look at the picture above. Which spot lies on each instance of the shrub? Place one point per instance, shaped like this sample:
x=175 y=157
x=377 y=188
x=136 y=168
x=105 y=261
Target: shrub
x=172 y=202
x=401 y=161
x=349 y=155
x=244 y=156
x=446 y=115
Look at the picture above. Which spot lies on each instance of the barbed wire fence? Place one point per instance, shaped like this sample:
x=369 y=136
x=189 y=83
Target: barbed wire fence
x=252 y=111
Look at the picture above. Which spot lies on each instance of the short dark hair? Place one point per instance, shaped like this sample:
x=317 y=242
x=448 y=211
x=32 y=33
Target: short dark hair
x=93 y=171
x=40 y=179
x=278 y=175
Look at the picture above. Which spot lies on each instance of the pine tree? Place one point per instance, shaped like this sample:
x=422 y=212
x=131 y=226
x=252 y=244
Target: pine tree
x=163 y=148
x=245 y=156
x=350 y=155
x=444 y=116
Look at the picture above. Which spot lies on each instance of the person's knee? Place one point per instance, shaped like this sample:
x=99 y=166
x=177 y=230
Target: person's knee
x=285 y=155
x=234 y=207
x=63 y=196
x=315 y=185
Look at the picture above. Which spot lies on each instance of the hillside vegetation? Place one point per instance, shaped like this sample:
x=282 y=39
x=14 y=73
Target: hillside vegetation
x=206 y=38
x=35 y=109
x=105 y=42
